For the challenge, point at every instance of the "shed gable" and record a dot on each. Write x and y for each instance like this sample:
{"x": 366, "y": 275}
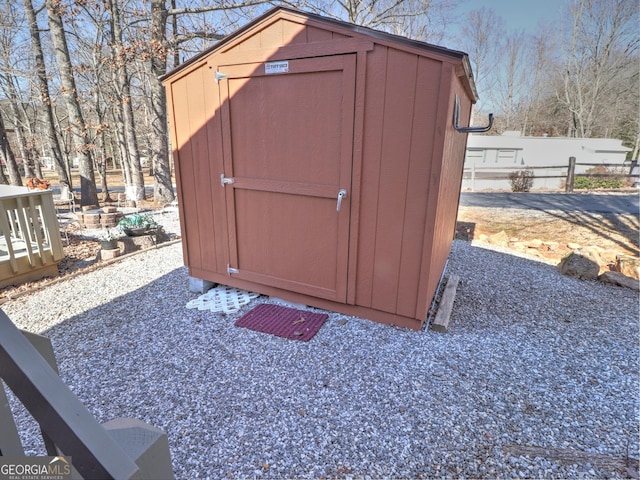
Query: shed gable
{"x": 280, "y": 31}
{"x": 284, "y": 28}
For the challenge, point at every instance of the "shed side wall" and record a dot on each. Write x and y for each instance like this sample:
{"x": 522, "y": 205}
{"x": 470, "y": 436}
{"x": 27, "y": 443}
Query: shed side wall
{"x": 402, "y": 92}
{"x": 448, "y": 177}
{"x": 195, "y": 155}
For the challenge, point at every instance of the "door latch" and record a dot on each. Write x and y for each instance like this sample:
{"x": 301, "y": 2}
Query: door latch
{"x": 341, "y": 194}
{"x": 225, "y": 181}
{"x": 231, "y": 270}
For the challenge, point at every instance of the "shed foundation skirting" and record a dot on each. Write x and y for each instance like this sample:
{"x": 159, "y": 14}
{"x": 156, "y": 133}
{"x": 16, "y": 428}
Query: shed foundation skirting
{"x": 300, "y": 299}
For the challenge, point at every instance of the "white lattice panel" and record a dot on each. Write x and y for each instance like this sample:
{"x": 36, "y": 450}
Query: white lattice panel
{"x": 222, "y": 299}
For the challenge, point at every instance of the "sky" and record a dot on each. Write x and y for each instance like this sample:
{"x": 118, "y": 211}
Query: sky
{"x": 518, "y": 14}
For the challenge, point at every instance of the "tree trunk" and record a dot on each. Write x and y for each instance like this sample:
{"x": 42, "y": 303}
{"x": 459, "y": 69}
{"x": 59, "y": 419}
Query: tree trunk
{"x": 25, "y": 153}
{"x": 89, "y": 193}
{"x": 159, "y": 145}
{"x": 43, "y": 87}
{"x": 3, "y": 177}
{"x": 8, "y": 156}
{"x": 122, "y": 151}
{"x": 102, "y": 170}
{"x": 125, "y": 106}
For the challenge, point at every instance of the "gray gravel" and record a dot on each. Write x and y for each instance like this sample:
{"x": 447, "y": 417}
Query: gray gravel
{"x": 533, "y": 359}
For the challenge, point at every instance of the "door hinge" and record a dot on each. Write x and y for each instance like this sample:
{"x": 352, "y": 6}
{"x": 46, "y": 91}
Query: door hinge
{"x": 224, "y": 180}
{"x": 219, "y": 76}
{"x": 231, "y": 270}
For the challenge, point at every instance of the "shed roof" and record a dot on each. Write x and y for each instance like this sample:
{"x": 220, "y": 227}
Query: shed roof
{"x": 350, "y": 28}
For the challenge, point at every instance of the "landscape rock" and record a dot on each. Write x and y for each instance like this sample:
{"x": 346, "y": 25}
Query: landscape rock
{"x": 609, "y": 256}
{"x": 617, "y": 278}
{"x": 580, "y": 264}
{"x": 500, "y": 238}
{"x": 593, "y": 249}
{"x": 518, "y": 247}
{"x": 573, "y": 246}
{"x": 551, "y": 245}
{"x": 628, "y": 265}
{"x": 142, "y": 242}
{"x": 535, "y": 243}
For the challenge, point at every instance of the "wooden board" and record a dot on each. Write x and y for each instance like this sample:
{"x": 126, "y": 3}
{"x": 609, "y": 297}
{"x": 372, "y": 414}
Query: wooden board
{"x": 443, "y": 315}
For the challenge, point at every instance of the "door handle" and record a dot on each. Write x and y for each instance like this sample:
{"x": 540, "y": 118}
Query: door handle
{"x": 341, "y": 194}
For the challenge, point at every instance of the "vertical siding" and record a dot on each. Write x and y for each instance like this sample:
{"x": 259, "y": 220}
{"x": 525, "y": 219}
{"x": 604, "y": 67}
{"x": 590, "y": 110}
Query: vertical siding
{"x": 401, "y": 98}
{"x": 371, "y": 160}
{"x": 421, "y": 158}
{"x": 318, "y": 34}
{"x": 193, "y": 103}
{"x": 394, "y": 169}
{"x": 279, "y": 33}
{"x": 446, "y": 176}
{"x": 293, "y": 33}
{"x": 284, "y": 32}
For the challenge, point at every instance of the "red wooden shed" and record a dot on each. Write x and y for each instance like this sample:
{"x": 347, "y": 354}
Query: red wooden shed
{"x": 317, "y": 161}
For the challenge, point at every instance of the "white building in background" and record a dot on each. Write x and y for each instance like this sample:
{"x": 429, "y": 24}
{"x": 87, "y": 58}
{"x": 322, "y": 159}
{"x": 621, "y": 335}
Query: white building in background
{"x": 499, "y": 155}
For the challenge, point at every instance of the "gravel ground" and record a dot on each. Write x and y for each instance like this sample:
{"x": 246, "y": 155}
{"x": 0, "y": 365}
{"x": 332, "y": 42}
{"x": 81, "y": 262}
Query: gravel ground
{"x": 533, "y": 359}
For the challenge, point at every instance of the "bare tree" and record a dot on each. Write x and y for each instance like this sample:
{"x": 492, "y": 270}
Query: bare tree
{"x": 78, "y": 127}
{"x": 540, "y": 92}
{"x": 159, "y": 50}
{"x": 425, "y": 20}
{"x": 45, "y": 97}
{"x": 9, "y": 24}
{"x": 11, "y": 92}
{"x": 481, "y": 37}
{"x": 123, "y": 96}
{"x": 512, "y": 82}
{"x": 8, "y": 156}
{"x": 602, "y": 41}
{"x": 159, "y": 144}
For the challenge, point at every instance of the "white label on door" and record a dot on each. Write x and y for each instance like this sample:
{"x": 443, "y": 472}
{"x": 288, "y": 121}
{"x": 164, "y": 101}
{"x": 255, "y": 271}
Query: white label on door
{"x": 276, "y": 67}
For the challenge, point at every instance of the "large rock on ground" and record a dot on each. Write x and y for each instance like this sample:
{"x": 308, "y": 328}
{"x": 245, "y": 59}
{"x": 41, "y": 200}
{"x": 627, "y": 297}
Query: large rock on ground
{"x": 500, "y": 238}
{"x": 578, "y": 264}
{"x": 617, "y": 278}
{"x": 628, "y": 265}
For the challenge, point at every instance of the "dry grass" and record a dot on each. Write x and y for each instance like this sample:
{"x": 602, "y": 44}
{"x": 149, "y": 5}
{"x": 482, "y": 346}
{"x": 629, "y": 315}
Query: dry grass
{"x": 608, "y": 231}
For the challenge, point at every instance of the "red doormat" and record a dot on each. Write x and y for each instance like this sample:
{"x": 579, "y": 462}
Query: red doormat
{"x": 283, "y": 321}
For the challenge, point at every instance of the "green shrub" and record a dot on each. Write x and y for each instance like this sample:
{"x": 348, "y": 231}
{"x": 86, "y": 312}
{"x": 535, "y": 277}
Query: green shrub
{"x": 582, "y": 183}
{"x": 591, "y": 183}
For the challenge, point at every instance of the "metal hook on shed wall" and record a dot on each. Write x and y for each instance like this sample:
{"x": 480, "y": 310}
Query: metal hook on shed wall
{"x": 456, "y": 121}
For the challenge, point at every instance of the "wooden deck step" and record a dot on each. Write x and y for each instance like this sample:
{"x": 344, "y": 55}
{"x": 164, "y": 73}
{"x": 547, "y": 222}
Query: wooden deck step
{"x": 443, "y": 315}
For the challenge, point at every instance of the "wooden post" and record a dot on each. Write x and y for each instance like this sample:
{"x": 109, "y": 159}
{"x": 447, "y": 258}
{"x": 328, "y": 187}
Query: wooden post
{"x": 571, "y": 172}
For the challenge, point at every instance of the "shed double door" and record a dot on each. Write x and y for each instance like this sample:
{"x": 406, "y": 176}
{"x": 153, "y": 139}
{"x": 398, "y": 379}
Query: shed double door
{"x": 287, "y": 130}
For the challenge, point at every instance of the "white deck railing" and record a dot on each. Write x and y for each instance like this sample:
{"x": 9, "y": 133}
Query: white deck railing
{"x": 30, "y": 244}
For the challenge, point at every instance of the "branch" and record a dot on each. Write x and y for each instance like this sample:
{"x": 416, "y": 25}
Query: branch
{"x": 200, "y": 34}
{"x": 216, "y": 8}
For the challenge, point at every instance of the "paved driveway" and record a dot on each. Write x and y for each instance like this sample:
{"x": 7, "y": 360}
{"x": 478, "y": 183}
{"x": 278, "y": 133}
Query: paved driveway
{"x": 567, "y": 202}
